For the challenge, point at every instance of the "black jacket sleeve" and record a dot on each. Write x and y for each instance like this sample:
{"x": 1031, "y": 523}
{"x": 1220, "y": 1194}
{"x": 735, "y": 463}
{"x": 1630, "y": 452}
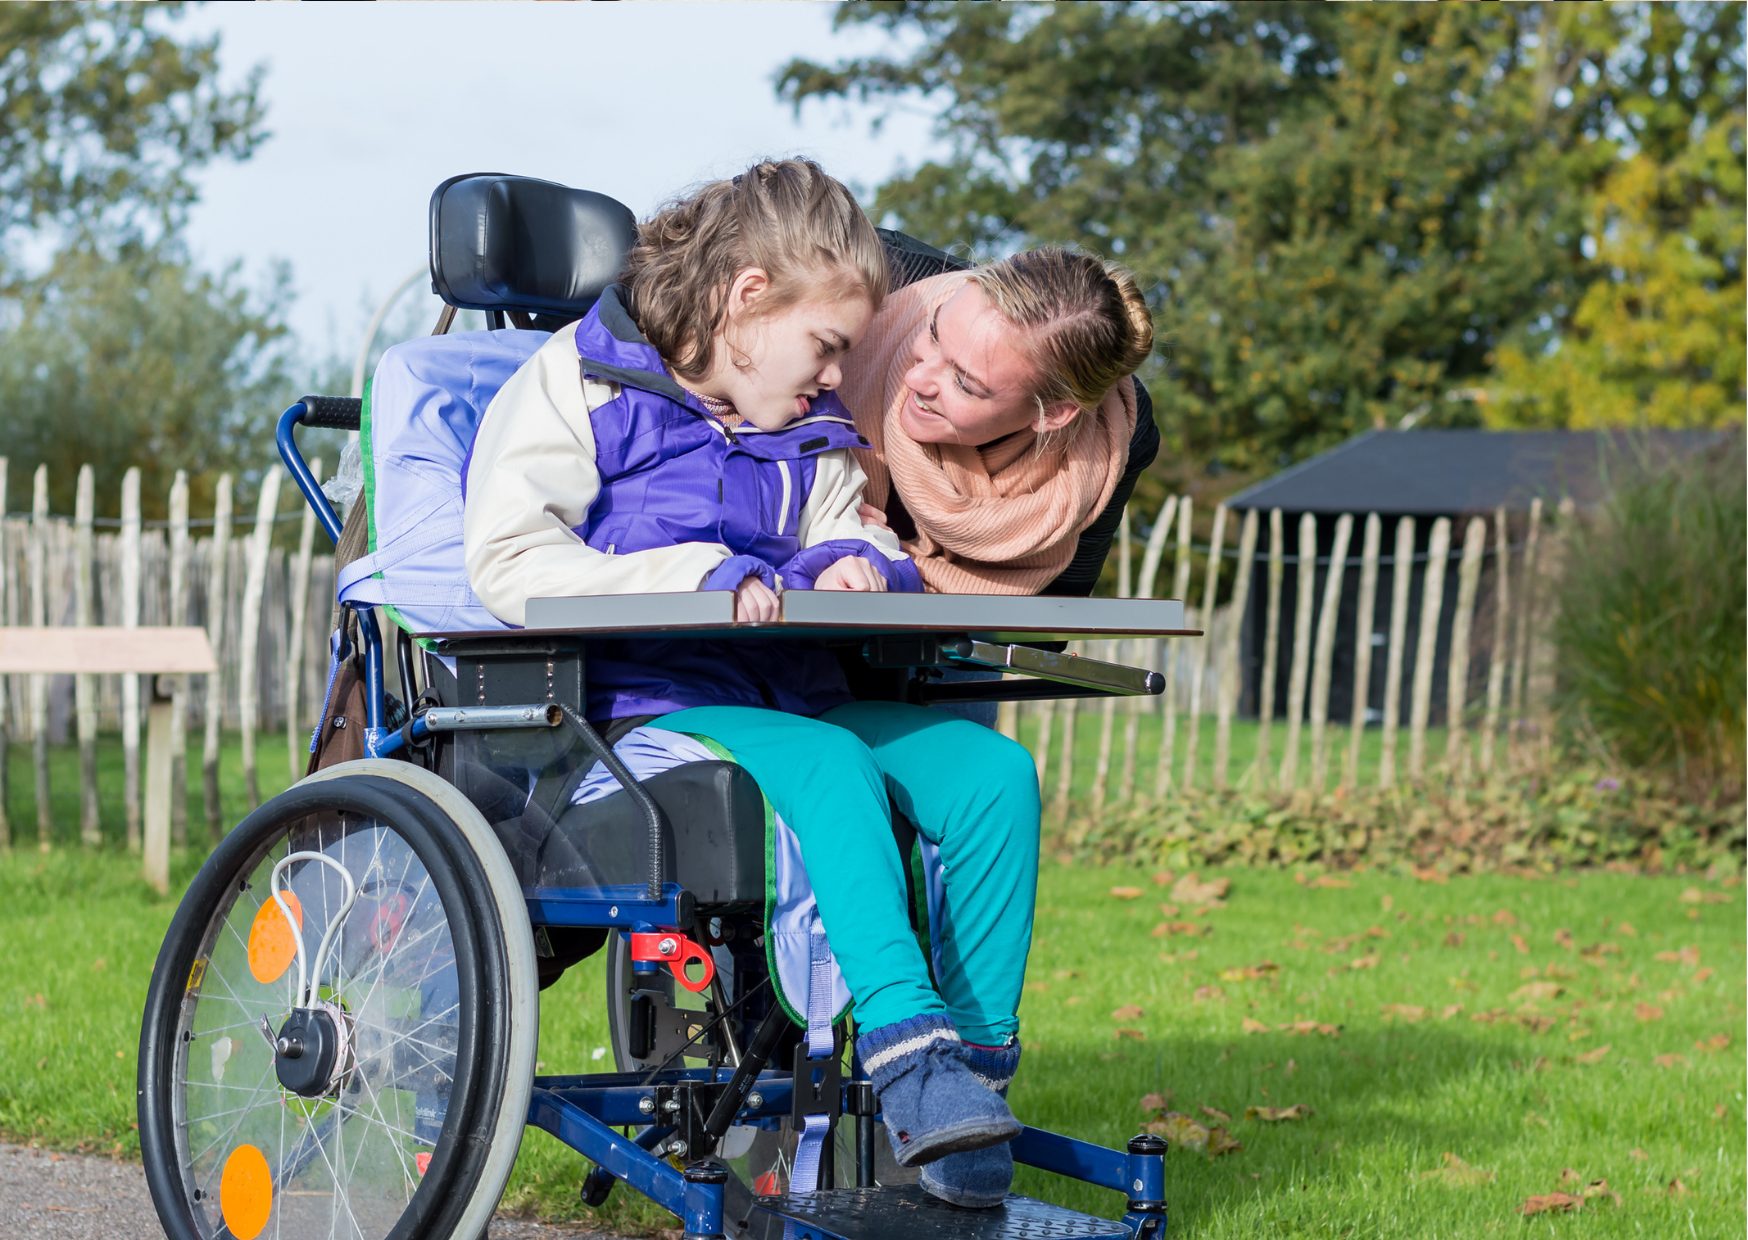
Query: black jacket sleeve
{"x": 1082, "y": 573}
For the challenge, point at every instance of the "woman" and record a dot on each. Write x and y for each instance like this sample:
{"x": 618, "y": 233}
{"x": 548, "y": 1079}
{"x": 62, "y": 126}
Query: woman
{"x": 1006, "y": 431}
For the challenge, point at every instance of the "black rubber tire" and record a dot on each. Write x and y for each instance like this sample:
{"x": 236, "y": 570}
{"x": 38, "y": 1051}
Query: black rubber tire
{"x": 483, "y": 1008}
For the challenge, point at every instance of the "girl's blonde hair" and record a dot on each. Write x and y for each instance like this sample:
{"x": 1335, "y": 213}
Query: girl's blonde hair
{"x": 786, "y": 217}
{"x": 1082, "y": 320}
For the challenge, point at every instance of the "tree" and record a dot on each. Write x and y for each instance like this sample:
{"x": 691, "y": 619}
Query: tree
{"x": 103, "y": 116}
{"x": 1346, "y": 209}
{"x": 141, "y": 360}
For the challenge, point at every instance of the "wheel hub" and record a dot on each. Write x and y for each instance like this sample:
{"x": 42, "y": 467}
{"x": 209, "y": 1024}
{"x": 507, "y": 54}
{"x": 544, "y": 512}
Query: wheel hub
{"x": 310, "y": 1052}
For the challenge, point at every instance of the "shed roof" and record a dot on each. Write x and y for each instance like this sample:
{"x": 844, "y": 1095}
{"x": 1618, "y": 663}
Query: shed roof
{"x": 1434, "y": 472}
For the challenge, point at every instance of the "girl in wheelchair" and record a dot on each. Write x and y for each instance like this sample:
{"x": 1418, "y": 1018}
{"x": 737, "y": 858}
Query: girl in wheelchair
{"x": 686, "y": 436}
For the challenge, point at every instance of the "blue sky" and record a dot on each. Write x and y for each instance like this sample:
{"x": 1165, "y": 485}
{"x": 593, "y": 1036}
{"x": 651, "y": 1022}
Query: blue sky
{"x": 370, "y": 106}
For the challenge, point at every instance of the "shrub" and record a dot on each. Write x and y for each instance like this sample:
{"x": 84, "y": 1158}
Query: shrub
{"x": 1653, "y": 602}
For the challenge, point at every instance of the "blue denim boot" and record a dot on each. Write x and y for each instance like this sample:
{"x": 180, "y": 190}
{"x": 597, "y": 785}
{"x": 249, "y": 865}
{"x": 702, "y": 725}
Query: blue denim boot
{"x": 978, "y": 1179}
{"x": 931, "y": 1100}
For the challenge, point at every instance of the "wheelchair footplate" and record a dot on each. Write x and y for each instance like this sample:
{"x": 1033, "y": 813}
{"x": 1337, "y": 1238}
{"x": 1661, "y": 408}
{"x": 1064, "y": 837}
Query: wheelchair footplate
{"x": 906, "y": 1212}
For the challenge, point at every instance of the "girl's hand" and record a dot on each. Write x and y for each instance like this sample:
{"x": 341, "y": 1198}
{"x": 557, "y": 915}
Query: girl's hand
{"x": 853, "y": 572}
{"x": 754, "y": 601}
{"x": 872, "y": 516}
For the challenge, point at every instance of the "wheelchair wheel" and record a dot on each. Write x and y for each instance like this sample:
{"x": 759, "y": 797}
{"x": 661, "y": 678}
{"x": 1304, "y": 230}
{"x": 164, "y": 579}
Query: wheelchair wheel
{"x": 402, "y": 1114}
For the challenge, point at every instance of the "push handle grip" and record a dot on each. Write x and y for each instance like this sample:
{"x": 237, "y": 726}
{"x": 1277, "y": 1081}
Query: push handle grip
{"x": 334, "y": 413}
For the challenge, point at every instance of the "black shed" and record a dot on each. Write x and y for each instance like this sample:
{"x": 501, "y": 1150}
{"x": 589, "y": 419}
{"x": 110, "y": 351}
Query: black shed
{"x": 1424, "y": 474}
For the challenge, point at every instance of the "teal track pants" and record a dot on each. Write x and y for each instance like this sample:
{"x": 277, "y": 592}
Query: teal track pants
{"x": 969, "y": 791}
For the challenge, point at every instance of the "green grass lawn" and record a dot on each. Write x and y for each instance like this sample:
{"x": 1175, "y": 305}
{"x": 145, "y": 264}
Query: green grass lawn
{"x": 1403, "y": 1076}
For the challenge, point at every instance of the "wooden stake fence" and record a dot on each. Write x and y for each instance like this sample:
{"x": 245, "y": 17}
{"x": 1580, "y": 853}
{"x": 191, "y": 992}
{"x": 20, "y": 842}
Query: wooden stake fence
{"x": 218, "y": 567}
{"x": 1180, "y": 589}
{"x": 1457, "y": 682}
{"x": 1271, "y": 649}
{"x": 1231, "y": 683}
{"x": 1324, "y": 656}
{"x": 85, "y": 686}
{"x": 1199, "y": 655}
{"x": 1501, "y": 634}
{"x": 1365, "y": 624}
{"x": 1306, "y": 579}
{"x": 1432, "y": 600}
{"x": 1401, "y": 578}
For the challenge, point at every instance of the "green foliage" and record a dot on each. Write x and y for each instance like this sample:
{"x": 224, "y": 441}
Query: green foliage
{"x": 140, "y": 359}
{"x": 1346, "y": 208}
{"x": 1653, "y": 603}
{"x": 103, "y": 117}
{"x": 1576, "y": 817}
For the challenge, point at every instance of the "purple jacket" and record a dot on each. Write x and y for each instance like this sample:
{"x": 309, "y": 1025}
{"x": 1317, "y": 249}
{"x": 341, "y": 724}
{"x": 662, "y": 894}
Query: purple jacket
{"x": 671, "y": 473}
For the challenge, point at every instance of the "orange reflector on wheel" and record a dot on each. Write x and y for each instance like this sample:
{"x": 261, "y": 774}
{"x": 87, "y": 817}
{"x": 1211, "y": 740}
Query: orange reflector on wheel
{"x": 246, "y": 1191}
{"x": 271, "y": 946}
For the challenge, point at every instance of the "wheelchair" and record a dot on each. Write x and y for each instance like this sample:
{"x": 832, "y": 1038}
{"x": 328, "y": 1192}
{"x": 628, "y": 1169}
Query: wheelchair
{"x": 340, "y": 1038}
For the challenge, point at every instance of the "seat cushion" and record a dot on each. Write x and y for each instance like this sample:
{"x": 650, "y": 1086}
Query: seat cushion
{"x": 713, "y": 840}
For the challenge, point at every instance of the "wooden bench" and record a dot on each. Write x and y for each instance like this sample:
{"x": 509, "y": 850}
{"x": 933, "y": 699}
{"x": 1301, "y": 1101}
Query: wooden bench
{"x": 108, "y": 651}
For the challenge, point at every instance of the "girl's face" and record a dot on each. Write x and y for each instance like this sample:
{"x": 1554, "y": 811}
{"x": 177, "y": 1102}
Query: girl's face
{"x": 969, "y": 382}
{"x": 785, "y": 358}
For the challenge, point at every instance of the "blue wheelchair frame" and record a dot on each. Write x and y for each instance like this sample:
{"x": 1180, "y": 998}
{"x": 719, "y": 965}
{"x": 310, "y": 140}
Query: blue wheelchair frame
{"x": 583, "y": 1111}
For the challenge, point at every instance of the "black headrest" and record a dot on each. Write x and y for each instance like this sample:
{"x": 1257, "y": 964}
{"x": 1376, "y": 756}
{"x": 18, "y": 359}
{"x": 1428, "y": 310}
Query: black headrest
{"x": 502, "y": 242}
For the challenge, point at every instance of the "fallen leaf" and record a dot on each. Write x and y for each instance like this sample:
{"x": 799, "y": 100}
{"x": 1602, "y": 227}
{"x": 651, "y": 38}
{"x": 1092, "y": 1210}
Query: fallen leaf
{"x": 1156, "y": 1102}
{"x": 1717, "y": 1042}
{"x": 1131, "y": 1033}
{"x": 1299, "y": 878}
{"x": 1676, "y": 1188}
{"x": 1407, "y": 1012}
{"x": 1216, "y": 1113}
{"x": 1164, "y": 878}
{"x": 1597, "y": 1055}
{"x": 1637, "y": 1155}
{"x": 1670, "y": 1060}
{"x": 1250, "y": 972}
{"x": 1275, "y": 1115}
{"x": 1181, "y": 1130}
{"x": 1546, "y": 1202}
{"x": 1311, "y": 1026}
{"x": 1387, "y": 903}
{"x": 1168, "y": 910}
{"x": 1702, "y": 975}
{"x": 1457, "y": 1173}
{"x": 1453, "y": 939}
{"x": 1166, "y": 929}
{"x": 1209, "y": 994}
{"x": 1253, "y": 1026}
{"x": 1222, "y": 1142}
{"x": 1504, "y": 917}
{"x": 1450, "y": 1010}
{"x": 1063, "y": 975}
{"x": 1128, "y": 1012}
{"x": 1522, "y": 947}
{"x": 1535, "y": 1024}
{"x": 1038, "y": 987}
{"x": 1687, "y": 955}
{"x": 1646, "y": 1011}
{"x": 1328, "y": 880}
{"x": 1693, "y": 895}
{"x": 1073, "y": 999}
{"x": 1191, "y": 890}
{"x": 1363, "y": 962}
{"x": 1292, "y": 1066}
{"x": 1563, "y": 937}
{"x": 1719, "y": 1110}
{"x": 1126, "y": 893}
{"x": 1626, "y": 928}
{"x": 1538, "y": 992}
{"x": 1430, "y": 875}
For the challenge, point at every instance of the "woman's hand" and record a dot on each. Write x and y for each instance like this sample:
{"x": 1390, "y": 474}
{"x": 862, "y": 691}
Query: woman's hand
{"x": 754, "y": 601}
{"x": 853, "y": 572}
{"x": 872, "y": 516}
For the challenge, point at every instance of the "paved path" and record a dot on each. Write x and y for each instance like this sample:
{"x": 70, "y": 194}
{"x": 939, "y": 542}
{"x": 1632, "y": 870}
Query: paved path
{"x": 46, "y": 1196}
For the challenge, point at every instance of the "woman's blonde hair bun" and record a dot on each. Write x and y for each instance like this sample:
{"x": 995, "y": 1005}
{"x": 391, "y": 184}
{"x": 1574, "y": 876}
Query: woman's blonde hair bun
{"x": 786, "y": 217}
{"x": 1084, "y": 321}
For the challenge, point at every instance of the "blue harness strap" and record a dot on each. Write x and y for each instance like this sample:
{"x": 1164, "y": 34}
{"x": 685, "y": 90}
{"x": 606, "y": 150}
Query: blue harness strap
{"x": 804, "y": 1174}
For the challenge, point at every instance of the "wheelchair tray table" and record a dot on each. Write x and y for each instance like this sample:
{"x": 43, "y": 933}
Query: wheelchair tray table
{"x": 848, "y": 616}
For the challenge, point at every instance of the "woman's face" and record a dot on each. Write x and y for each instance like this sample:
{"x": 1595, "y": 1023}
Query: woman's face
{"x": 785, "y": 358}
{"x": 969, "y": 383}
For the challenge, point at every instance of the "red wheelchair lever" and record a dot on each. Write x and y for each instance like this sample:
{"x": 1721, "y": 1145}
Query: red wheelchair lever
{"x": 675, "y": 950}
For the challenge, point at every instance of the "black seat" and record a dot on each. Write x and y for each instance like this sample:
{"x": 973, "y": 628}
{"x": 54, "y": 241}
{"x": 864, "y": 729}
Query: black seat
{"x": 714, "y": 845}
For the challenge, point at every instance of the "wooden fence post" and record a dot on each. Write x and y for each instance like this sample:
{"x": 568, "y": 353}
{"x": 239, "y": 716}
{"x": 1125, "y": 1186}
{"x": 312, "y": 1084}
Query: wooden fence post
{"x": 1365, "y": 624}
{"x": 249, "y": 637}
{"x": 1539, "y": 692}
{"x": 1432, "y": 602}
{"x": 39, "y": 684}
{"x": 1501, "y": 635}
{"x": 1137, "y": 653}
{"x": 7, "y": 606}
{"x": 1041, "y": 750}
{"x": 130, "y": 619}
{"x": 1180, "y": 589}
{"x": 1306, "y": 581}
{"x": 1401, "y": 580}
{"x": 1065, "y": 763}
{"x": 1324, "y": 657}
{"x": 1113, "y": 653}
{"x": 85, "y": 685}
{"x": 1271, "y": 649}
{"x": 1521, "y": 647}
{"x": 1102, "y": 763}
{"x": 1157, "y": 537}
{"x": 1199, "y": 662}
{"x": 219, "y": 553}
{"x": 1462, "y": 628}
{"x": 1231, "y": 675}
{"x": 179, "y": 549}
